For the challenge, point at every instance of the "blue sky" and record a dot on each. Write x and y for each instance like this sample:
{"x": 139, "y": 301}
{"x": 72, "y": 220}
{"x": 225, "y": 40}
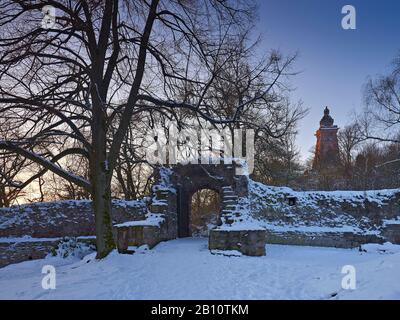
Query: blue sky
{"x": 334, "y": 62}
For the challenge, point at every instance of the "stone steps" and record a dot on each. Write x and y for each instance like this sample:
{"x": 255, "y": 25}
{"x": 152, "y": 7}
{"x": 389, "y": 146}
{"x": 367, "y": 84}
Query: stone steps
{"x": 230, "y": 201}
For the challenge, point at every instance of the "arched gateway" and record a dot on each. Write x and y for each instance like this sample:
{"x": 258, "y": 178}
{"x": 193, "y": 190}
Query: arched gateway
{"x": 171, "y": 200}
{"x": 190, "y": 178}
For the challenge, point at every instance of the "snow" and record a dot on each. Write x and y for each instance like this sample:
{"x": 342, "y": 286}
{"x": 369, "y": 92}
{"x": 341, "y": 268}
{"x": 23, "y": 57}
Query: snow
{"x": 139, "y": 249}
{"x": 241, "y": 226}
{"x": 315, "y": 211}
{"x": 186, "y": 269}
{"x": 53, "y": 213}
{"x": 310, "y": 198}
{"x": 27, "y": 238}
{"x": 152, "y": 219}
{"x": 68, "y": 247}
{"x": 228, "y": 253}
{"x": 391, "y": 221}
{"x": 319, "y": 229}
{"x": 164, "y": 184}
{"x": 140, "y": 203}
{"x": 386, "y": 247}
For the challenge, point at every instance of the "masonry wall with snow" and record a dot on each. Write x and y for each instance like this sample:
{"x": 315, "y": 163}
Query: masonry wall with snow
{"x": 264, "y": 214}
{"x": 252, "y": 215}
{"x": 332, "y": 218}
{"x": 30, "y": 231}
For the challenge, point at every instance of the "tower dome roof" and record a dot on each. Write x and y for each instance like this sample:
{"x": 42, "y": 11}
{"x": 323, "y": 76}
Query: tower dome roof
{"x": 327, "y": 120}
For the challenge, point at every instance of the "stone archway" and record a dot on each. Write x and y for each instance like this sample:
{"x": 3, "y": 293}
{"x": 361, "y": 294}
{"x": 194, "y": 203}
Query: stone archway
{"x": 184, "y": 206}
{"x": 191, "y": 178}
{"x": 174, "y": 187}
{"x": 169, "y": 209}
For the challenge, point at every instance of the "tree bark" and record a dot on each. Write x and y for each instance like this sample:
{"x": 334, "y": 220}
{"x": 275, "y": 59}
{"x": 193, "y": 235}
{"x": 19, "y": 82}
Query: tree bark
{"x": 5, "y": 197}
{"x": 102, "y": 208}
{"x": 102, "y": 203}
{"x": 101, "y": 187}
{"x": 2, "y": 197}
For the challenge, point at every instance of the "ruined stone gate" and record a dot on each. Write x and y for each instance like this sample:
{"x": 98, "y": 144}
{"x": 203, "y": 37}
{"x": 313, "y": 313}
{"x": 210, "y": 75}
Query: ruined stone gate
{"x": 342, "y": 219}
{"x": 188, "y": 179}
{"x": 171, "y": 201}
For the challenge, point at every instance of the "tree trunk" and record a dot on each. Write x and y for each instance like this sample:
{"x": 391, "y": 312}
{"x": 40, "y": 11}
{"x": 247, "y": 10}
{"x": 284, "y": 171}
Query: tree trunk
{"x": 2, "y": 196}
{"x": 102, "y": 210}
{"x": 4, "y": 200}
{"x": 101, "y": 189}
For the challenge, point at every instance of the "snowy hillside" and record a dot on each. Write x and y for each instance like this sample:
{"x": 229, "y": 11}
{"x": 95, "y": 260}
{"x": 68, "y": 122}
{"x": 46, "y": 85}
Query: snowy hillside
{"x": 185, "y": 269}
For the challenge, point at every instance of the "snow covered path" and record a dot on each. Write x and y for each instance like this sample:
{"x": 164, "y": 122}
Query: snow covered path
{"x": 185, "y": 269}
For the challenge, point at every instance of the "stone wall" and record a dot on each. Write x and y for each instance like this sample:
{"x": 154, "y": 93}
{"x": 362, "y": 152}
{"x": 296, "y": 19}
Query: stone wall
{"x": 127, "y": 237}
{"x": 279, "y": 215}
{"x": 391, "y": 233}
{"x": 248, "y": 242}
{"x": 330, "y": 209}
{"x": 62, "y": 218}
{"x": 321, "y": 239}
{"x": 30, "y": 249}
{"x": 30, "y": 231}
{"x": 342, "y": 219}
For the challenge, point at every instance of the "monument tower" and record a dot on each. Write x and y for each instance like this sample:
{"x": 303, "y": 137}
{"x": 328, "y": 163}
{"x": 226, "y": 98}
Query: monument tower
{"x": 327, "y": 148}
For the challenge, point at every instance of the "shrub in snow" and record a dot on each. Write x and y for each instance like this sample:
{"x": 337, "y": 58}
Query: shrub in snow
{"x": 71, "y": 247}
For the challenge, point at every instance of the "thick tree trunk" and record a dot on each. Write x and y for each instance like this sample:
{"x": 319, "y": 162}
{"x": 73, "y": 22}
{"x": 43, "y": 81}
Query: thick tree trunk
{"x": 102, "y": 210}
{"x": 101, "y": 189}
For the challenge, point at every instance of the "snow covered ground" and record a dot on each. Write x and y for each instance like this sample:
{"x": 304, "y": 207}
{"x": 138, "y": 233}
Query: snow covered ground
{"x": 185, "y": 269}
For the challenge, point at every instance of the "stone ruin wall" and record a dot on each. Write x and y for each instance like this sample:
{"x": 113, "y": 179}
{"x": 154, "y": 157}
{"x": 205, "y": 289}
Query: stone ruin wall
{"x": 316, "y": 219}
{"x": 325, "y": 219}
{"x": 31, "y": 231}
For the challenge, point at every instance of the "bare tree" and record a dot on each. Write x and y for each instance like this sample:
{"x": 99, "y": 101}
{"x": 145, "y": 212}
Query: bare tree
{"x": 349, "y": 140}
{"x": 56, "y": 188}
{"x": 133, "y": 174}
{"x": 381, "y": 119}
{"x": 101, "y": 63}
{"x": 10, "y": 168}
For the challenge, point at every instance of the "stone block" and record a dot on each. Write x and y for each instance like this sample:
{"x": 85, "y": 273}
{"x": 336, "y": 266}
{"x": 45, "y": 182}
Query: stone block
{"x": 127, "y": 236}
{"x": 15, "y": 252}
{"x": 248, "y": 242}
{"x": 391, "y": 233}
{"x": 321, "y": 239}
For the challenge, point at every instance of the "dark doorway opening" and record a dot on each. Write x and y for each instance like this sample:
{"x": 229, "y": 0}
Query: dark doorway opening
{"x": 204, "y": 212}
{"x": 197, "y": 212}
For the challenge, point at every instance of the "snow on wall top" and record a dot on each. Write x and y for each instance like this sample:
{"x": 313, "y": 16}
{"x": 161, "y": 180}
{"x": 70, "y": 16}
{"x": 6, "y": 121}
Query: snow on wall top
{"x": 63, "y": 218}
{"x": 164, "y": 181}
{"x": 275, "y": 195}
{"x": 362, "y": 212}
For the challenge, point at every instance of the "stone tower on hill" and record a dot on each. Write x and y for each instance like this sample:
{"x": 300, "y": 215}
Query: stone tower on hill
{"x": 327, "y": 148}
